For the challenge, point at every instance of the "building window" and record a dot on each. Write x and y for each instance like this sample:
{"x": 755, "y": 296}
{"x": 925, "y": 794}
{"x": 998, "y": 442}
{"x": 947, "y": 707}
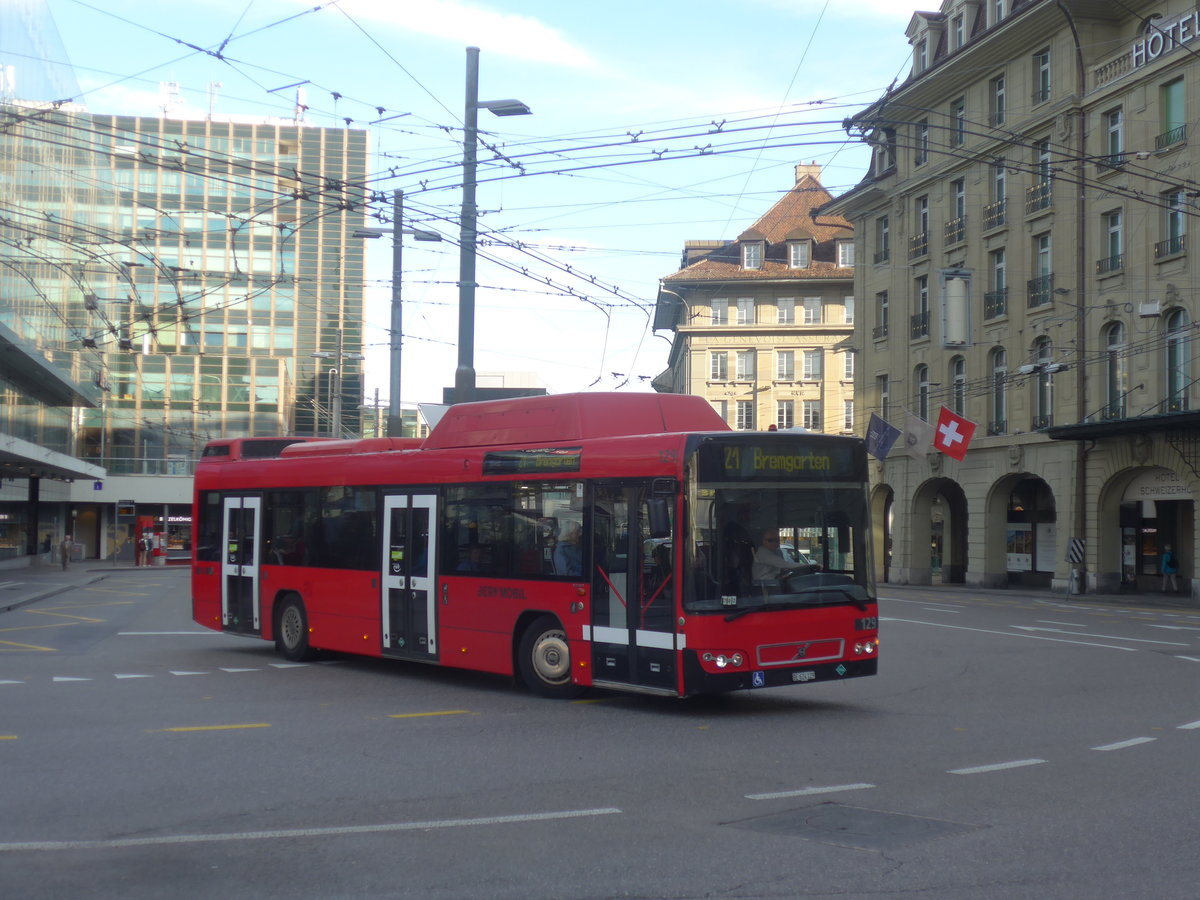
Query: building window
{"x": 812, "y": 415}
{"x": 1174, "y": 125}
{"x": 883, "y": 400}
{"x": 799, "y": 254}
{"x": 752, "y": 255}
{"x": 845, "y": 254}
{"x": 812, "y": 310}
{"x": 720, "y": 312}
{"x": 1114, "y": 138}
{"x": 882, "y": 240}
{"x": 918, "y": 244}
{"x": 1039, "y": 195}
{"x": 1178, "y": 361}
{"x": 1041, "y": 286}
{"x": 1174, "y": 225}
{"x": 958, "y": 123}
{"x": 921, "y": 154}
{"x": 920, "y": 317}
{"x": 848, "y": 310}
{"x": 956, "y": 227}
{"x": 722, "y": 408}
{"x": 745, "y": 365}
{"x": 745, "y": 415}
{"x": 1041, "y": 76}
{"x": 958, "y": 32}
{"x": 881, "y": 315}
{"x": 1116, "y": 376}
{"x": 999, "y": 418}
{"x": 785, "y": 311}
{"x": 921, "y": 400}
{"x": 785, "y": 365}
{"x": 812, "y": 365}
{"x": 958, "y": 385}
{"x": 1043, "y": 384}
{"x": 847, "y": 415}
{"x": 921, "y": 56}
{"x": 999, "y": 107}
{"x": 785, "y": 413}
{"x": 745, "y": 311}
{"x": 995, "y": 301}
{"x": 997, "y": 11}
{"x": 719, "y": 366}
{"x": 848, "y": 366}
{"x": 1113, "y": 259}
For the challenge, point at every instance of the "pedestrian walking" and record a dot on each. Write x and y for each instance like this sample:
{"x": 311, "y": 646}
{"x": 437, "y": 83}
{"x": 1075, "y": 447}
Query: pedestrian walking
{"x": 1170, "y": 569}
{"x": 64, "y": 551}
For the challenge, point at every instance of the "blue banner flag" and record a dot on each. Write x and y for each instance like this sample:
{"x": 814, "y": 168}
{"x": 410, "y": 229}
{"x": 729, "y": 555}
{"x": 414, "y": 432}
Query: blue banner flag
{"x": 880, "y": 437}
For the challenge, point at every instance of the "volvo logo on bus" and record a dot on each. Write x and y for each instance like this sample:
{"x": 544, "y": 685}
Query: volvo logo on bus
{"x": 801, "y": 651}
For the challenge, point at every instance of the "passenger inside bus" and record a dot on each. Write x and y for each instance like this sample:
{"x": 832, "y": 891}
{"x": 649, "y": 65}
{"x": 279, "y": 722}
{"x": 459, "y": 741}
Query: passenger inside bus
{"x": 568, "y": 554}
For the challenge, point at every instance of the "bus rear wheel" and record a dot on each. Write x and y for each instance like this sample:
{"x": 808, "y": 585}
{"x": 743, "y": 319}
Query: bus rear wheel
{"x": 291, "y": 631}
{"x": 544, "y": 660}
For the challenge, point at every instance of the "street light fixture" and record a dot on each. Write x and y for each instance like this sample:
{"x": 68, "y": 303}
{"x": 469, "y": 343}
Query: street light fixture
{"x": 395, "y": 421}
{"x": 335, "y": 384}
{"x": 464, "y": 375}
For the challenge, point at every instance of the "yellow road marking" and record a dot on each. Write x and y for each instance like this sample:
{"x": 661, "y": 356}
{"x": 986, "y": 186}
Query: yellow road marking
{"x": 46, "y": 612}
{"x": 10, "y": 646}
{"x": 215, "y": 727}
{"x": 122, "y": 593}
{"x": 8, "y": 737}
{"x": 445, "y": 712}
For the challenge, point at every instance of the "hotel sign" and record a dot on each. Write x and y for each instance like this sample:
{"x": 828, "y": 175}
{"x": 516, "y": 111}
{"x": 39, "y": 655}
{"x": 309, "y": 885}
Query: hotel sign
{"x": 1162, "y": 39}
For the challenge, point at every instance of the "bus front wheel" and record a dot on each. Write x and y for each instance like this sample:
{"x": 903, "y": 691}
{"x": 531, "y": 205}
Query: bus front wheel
{"x": 291, "y": 631}
{"x": 544, "y": 659}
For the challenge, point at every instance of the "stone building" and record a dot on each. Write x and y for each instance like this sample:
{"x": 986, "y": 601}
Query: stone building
{"x": 760, "y": 322}
{"x": 1022, "y": 239}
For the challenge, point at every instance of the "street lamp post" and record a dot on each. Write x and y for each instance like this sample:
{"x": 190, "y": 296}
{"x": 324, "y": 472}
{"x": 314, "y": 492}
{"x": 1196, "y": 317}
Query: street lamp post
{"x": 335, "y": 385}
{"x": 395, "y": 421}
{"x": 464, "y": 375}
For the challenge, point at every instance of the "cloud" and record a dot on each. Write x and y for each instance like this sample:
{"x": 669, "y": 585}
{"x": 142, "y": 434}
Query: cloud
{"x": 507, "y": 34}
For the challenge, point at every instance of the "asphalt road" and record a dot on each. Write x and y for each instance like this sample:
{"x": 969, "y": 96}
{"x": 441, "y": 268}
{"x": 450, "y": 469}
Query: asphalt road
{"x": 1011, "y": 747}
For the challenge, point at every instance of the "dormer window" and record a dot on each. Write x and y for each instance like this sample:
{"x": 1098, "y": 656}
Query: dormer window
{"x": 958, "y": 33}
{"x": 799, "y": 254}
{"x": 752, "y": 255}
{"x": 921, "y": 56}
{"x": 845, "y": 254}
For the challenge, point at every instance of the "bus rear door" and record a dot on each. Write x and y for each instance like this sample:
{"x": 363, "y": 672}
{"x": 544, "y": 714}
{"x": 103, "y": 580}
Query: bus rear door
{"x": 633, "y": 593}
{"x": 240, "y": 529}
{"x": 409, "y": 601}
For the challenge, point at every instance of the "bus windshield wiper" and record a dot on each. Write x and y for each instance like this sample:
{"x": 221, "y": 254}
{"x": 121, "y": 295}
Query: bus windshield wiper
{"x": 859, "y": 603}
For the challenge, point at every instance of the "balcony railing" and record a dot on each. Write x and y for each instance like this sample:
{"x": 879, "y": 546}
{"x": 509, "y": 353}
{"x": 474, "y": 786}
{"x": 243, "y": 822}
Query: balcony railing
{"x": 1171, "y": 246}
{"x": 994, "y": 214}
{"x": 883, "y": 255}
{"x": 1110, "y": 265}
{"x": 918, "y": 245}
{"x": 1112, "y": 161}
{"x": 1170, "y": 138}
{"x": 1000, "y": 426}
{"x": 1040, "y": 422}
{"x": 955, "y": 231}
{"x": 1041, "y": 94}
{"x": 879, "y": 331}
{"x": 1113, "y": 410}
{"x": 1039, "y": 197}
{"x": 920, "y": 325}
{"x": 1041, "y": 290}
{"x": 995, "y": 304}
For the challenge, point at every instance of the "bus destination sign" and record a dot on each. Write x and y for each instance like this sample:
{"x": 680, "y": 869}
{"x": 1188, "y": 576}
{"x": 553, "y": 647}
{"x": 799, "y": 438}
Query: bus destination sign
{"x": 777, "y": 460}
{"x": 548, "y": 461}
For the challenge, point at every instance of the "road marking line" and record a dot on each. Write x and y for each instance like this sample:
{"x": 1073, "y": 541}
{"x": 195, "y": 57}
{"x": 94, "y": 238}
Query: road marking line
{"x": 155, "y": 633}
{"x": 1189, "y": 658}
{"x": 1176, "y": 627}
{"x": 445, "y": 712}
{"x": 58, "y": 678}
{"x": 305, "y": 832}
{"x": 178, "y": 672}
{"x": 14, "y": 645}
{"x": 807, "y": 792}
{"x": 61, "y": 615}
{"x": 133, "y": 676}
{"x": 8, "y": 737}
{"x": 1107, "y": 637}
{"x": 12, "y": 682}
{"x": 223, "y": 669}
{"x": 1121, "y": 745}
{"x": 183, "y": 728}
{"x": 1189, "y": 725}
{"x": 996, "y": 767}
{"x": 936, "y": 609}
{"x": 289, "y": 665}
{"x": 1052, "y": 622}
{"x": 1032, "y": 637}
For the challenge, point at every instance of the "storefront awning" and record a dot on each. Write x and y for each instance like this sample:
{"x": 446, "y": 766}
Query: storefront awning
{"x": 1087, "y": 431}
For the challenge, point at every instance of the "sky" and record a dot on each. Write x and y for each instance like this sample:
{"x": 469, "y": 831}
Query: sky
{"x": 654, "y": 123}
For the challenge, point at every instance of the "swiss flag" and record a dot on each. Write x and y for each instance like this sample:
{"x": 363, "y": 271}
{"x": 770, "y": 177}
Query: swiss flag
{"x": 953, "y": 434}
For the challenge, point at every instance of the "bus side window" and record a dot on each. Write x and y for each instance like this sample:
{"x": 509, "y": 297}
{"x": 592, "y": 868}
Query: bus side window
{"x": 208, "y": 527}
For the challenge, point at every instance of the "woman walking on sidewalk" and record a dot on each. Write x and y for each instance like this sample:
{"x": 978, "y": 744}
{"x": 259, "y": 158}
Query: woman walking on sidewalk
{"x": 64, "y": 550}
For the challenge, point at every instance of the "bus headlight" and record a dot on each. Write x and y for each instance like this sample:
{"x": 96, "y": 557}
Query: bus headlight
{"x": 866, "y": 648}
{"x": 731, "y": 660}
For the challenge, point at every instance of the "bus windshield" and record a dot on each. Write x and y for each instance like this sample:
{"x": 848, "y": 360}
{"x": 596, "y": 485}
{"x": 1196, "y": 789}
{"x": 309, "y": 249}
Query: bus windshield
{"x": 777, "y": 543}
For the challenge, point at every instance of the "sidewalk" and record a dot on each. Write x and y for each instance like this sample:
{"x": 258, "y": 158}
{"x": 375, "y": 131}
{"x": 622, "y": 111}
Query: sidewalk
{"x": 1142, "y": 600}
{"x": 28, "y": 584}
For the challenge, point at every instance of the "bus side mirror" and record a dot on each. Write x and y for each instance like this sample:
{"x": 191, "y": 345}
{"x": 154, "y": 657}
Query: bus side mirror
{"x": 660, "y": 517}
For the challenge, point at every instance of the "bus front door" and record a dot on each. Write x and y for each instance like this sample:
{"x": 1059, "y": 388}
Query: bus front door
{"x": 633, "y": 593}
{"x": 408, "y": 600}
{"x": 240, "y": 529}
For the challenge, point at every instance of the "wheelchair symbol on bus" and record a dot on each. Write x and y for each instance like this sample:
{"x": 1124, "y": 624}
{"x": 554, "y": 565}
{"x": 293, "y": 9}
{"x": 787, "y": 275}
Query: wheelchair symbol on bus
{"x": 758, "y": 679}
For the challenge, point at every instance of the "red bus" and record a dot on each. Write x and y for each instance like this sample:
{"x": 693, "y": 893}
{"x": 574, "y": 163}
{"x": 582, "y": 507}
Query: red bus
{"x": 623, "y": 541}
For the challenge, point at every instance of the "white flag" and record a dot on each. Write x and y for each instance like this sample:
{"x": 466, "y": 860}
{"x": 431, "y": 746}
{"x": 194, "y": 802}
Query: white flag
{"x": 918, "y": 435}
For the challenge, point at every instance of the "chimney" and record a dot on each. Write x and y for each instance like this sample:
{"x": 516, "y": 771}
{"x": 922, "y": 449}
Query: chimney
{"x": 813, "y": 168}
